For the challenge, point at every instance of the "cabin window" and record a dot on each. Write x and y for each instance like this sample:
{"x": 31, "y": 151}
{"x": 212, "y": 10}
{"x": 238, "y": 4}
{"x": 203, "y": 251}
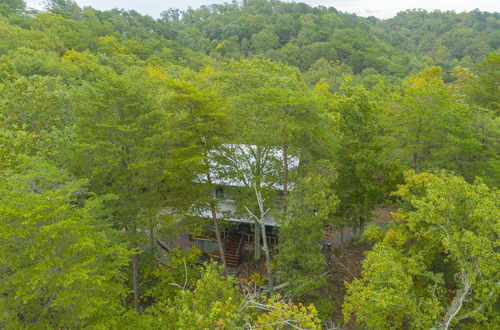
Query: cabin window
{"x": 219, "y": 193}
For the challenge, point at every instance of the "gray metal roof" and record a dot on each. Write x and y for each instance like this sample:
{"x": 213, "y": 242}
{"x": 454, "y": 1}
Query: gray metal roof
{"x": 239, "y": 164}
{"x": 226, "y": 211}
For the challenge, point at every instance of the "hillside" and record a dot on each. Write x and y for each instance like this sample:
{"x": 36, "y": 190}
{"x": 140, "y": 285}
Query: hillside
{"x": 322, "y": 170}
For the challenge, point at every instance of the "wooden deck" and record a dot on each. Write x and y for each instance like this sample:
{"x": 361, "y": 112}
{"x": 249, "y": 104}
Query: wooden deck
{"x": 234, "y": 245}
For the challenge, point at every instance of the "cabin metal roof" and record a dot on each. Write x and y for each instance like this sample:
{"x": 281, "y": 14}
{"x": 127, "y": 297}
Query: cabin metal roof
{"x": 237, "y": 165}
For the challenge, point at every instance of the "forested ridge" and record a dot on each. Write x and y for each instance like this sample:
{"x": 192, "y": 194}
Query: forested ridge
{"x": 116, "y": 127}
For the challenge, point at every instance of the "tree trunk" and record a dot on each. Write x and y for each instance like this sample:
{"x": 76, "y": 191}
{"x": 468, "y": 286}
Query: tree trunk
{"x": 361, "y": 225}
{"x": 457, "y": 302}
{"x": 285, "y": 178}
{"x": 268, "y": 257}
{"x": 257, "y": 231}
{"x": 152, "y": 236}
{"x": 217, "y": 234}
{"x": 415, "y": 161}
{"x": 216, "y": 224}
{"x": 135, "y": 277}
{"x": 341, "y": 241}
{"x": 265, "y": 246}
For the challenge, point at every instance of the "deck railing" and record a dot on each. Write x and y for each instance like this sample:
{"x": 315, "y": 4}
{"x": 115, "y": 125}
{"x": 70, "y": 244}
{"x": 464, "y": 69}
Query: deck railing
{"x": 272, "y": 240}
{"x": 239, "y": 251}
{"x": 245, "y": 238}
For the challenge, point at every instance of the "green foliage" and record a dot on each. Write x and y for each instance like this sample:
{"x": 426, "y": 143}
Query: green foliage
{"x": 12, "y": 37}
{"x": 374, "y": 233}
{"x": 486, "y": 92}
{"x": 14, "y": 144}
{"x": 214, "y": 302}
{"x": 433, "y": 129}
{"x": 59, "y": 267}
{"x": 282, "y": 315}
{"x": 365, "y": 175}
{"x": 429, "y": 118}
{"x": 65, "y": 8}
{"x": 446, "y": 223}
{"x": 133, "y": 107}
{"x": 264, "y": 40}
{"x": 443, "y": 36}
{"x": 334, "y": 73}
{"x": 388, "y": 296}
{"x": 200, "y": 122}
{"x": 122, "y": 152}
{"x": 299, "y": 261}
{"x": 35, "y": 104}
{"x": 278, "y": 98}
{"x": 12, "y": 7}
{"x": 180, "y": 271}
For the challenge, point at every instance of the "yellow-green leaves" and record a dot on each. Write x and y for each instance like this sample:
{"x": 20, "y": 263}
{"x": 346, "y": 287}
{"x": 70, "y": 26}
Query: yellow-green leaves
{"x": 440, "y": 251}
{"x": 59, "y": 267}
{"x": 282, "y": 315}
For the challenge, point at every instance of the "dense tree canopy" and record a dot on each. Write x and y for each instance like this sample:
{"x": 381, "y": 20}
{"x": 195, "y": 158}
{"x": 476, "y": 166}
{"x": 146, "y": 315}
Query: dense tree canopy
{"x": 60, "y": 266}
{"x": 110, "y": 122}
{"x": 437, "y": 266}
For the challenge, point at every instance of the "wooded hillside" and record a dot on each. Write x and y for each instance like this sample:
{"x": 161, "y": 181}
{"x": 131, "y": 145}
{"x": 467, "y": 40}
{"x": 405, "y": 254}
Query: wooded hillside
{"x": 116, "y": 130}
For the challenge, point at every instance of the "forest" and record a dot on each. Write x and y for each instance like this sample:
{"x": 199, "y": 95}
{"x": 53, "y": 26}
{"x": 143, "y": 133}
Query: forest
{"x": 249, "y": 165}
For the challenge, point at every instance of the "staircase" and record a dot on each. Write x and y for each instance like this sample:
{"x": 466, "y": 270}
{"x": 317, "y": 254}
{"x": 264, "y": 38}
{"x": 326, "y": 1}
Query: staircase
{"x": 233, "y": 251}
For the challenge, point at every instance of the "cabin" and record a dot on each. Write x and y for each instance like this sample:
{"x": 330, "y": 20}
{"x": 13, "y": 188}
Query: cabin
{"x": 232, "y": 171}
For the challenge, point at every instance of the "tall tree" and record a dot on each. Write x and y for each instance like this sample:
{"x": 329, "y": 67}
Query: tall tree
{"x": 487, "y": 90}
{"x": 364, "y": 175}
{"x": 121, "y": 138}
{"x": 201, "y": 127}
{"x": 300, "y": 261}
{"x": 431, "y": 127}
